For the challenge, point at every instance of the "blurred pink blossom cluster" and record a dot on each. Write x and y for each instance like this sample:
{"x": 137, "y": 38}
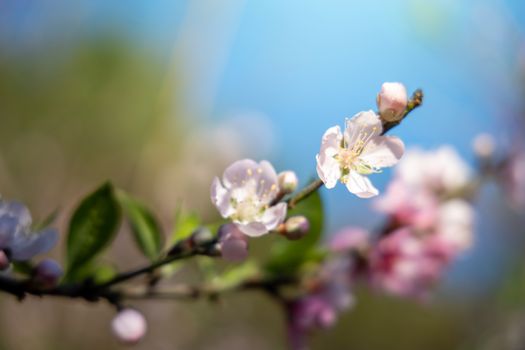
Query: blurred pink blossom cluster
{"x": 429, "y": 222}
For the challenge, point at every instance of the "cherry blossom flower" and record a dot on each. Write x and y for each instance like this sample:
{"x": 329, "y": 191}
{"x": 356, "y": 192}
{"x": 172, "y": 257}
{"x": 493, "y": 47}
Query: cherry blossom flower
{"x": 359, "y": 152}
{"x": 411, "y": 206}
{"x": 16, "y": 238}
{"x": 246, "y": 194}
{"x": 441, "y": 171}
{"x": 405, "y": 265}
{"x": 455, "y": 225}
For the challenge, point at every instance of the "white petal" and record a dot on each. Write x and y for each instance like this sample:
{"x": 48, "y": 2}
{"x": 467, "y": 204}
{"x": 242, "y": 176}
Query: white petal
{"x": 253, "y": 229}
{"x": 237, "y": 174}
{"x": 267, "y": 181}
{"x": 274, "y": 216}
{"x": 8, "y": 228}
{"x": 220, "y": 197}
{"x": 27, "y": 246}
{"x": 363, "y": 123}
{"x": 360, "y": 185}
{"x": 383, "y": 151}
{"x": 328, "y": 169}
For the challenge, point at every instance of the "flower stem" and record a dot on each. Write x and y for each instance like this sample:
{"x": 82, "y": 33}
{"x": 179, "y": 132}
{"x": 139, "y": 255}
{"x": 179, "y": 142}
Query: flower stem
{"x": 304, "y": 193}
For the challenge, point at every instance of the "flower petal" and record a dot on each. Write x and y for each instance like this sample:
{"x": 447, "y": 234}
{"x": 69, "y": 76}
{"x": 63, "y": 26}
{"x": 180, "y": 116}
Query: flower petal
{"x": 252, "y": 229}
{"x": 26, "y": 246}
{"x": 383, "y": 151}
{"x": 274, "y": 216}
{"x": 360, "y": 185}
{"x": 267, "y": 181}
{"x": 237, "y": 174}
{"x": 328, "y": 169}
{"x": 363, "y": 124}
{"x": 221, "y": 198}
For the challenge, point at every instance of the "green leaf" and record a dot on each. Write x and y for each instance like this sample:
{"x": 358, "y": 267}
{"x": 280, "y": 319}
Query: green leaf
{"x": 145, "y": 228}
{"x": 93, "y": 226}
{"x": 288, "y": 256}
{"x": 185, "y": 223}
{"x": 236, "y": 275}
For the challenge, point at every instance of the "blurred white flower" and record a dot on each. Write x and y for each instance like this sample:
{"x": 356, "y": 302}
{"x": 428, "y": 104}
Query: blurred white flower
{"x": 455, "y": 224}
{"x": 361, "y": 151}
{"x": 441, "y": 170}
{"x": 245, "y": 196}
{"x": 16, "y": 238}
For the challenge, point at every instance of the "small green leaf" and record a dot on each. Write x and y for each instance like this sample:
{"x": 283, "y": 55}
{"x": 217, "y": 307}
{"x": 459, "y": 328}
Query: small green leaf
{"x": 145, "y": 228}
{"x": 185, "y": 223}
{"x": 287, "y": 256}
{"x": 236, "y": 275}
{"x": 92, "y": 228}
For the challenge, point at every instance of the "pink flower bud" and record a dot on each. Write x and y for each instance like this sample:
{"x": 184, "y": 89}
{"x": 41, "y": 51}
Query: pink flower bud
{"x": 287, "y": 182}
{"x": 233, "y": 243}
{"x": 392, "y": 101}
{"x": 4, "y": 261}
{"x": 47, "y": 273}
{"x": 129, "y": 326}
{"x": 296, "y": 227}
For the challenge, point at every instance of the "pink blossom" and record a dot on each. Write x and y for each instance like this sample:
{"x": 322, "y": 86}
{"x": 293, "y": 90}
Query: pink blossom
{"x": 405, "y": 265}
{"x": 320, "y": 308}
{"x": 409, "y": 206}
{"x": 347, "y": 239}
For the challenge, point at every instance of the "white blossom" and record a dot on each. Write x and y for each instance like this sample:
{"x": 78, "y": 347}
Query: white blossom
{"x": 441, "y": 170}
{"x": 16, "y": 237}
{"x": 245, "y": 196}
{"x": 455, "y": 224}
{"x": 360, "y": 151}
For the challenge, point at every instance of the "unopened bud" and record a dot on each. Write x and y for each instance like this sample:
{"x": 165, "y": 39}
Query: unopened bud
{"x": 483, "y": 145}
{"x": 287, "y": 182}
{"x": 233, "y": 244}
{"x": 47, "y": 273}
{"x": 296, "y": 227}
{"x": 129, "y": 326}
{"x": 392, "y": 101}
{"x": 4, "y": 261}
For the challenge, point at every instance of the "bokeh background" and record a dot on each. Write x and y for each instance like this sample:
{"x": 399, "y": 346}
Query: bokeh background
{"x": 160, "y": 96}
